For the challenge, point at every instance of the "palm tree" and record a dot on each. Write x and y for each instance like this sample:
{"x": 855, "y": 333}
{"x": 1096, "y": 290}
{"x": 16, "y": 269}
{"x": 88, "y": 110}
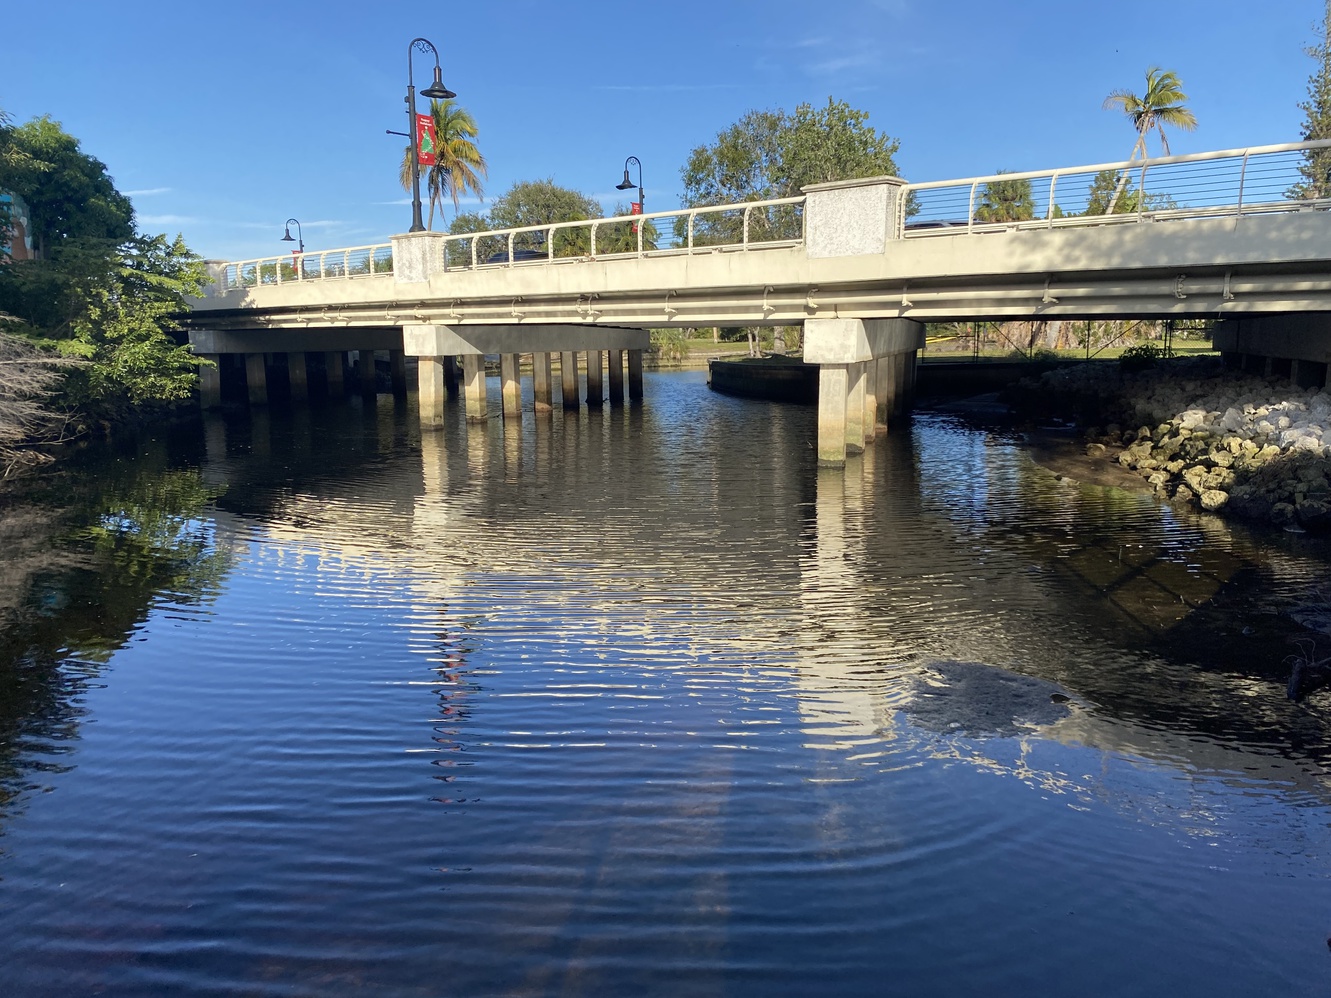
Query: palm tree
{"x": 459, "y": 165}
{"x": 1162, "y": 104}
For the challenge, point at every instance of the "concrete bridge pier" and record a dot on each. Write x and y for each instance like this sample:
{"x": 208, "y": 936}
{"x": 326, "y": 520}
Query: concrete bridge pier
{"x": 298, "y": 376}
{"x": 616, "y": 377}
{"x": 430, "y": 391}
{"x": 511, "y": 386}
{"x": 1296, "y": 346}
{"x": 850, "y": 355}
{"x": 542, "y": 393}
{"x": 210, "y": 382}
{"x": 594, "y": 368}
{"x": 635, "y": 375}
{"x": 568, "y": 378}
{"x": 365, "y": 371}
{"x": 335, "y": 364}
{"x": 473, "y": 387}
{"x": 256, "y": 378}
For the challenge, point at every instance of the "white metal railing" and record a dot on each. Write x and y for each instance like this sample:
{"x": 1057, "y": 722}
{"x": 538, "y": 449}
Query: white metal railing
{"x": 351, "y": 262}
{"x": 744, "y": 226}
{"x": 1229, "y": 182}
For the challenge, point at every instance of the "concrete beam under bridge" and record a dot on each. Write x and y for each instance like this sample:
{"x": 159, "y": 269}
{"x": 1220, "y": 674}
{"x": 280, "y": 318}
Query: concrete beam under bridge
{"x": 320, "y": 339}
{"x": 430, "y": 340}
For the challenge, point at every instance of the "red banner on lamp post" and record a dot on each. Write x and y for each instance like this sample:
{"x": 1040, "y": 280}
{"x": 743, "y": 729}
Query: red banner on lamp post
{"x": 425, "y": 140}
{"x": 635, "y": 208}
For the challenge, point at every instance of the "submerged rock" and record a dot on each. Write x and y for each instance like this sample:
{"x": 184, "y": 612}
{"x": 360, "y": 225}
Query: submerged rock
{"x": 977, "y": 700}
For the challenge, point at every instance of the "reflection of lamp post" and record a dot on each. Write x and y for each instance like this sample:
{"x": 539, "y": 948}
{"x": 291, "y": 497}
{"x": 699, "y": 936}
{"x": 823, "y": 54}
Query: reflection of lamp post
{"x": 627, "y": 185}
{"x": 434, "y": 90}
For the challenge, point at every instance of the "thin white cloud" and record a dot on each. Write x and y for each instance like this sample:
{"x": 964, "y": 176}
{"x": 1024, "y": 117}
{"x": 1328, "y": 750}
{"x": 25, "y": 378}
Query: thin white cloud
{"x": 148, "y": 192}
{"x": 658, "y": 88}
{"x": 168, "y": 220}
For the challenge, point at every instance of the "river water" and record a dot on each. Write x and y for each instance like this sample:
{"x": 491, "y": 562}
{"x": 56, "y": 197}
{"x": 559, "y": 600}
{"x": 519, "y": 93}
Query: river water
{"x": 640, "y": 702}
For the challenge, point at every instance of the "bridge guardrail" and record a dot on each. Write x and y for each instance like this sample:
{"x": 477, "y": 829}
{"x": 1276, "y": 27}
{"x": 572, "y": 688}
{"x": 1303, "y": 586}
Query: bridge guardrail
{"x": 348, "y": 262}
{"x": 745, "y": 226}
{"x": 1229, "y": 182}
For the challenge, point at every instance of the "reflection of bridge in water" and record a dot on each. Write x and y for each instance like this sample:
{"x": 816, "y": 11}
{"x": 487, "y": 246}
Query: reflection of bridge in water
{"x": 859, "y": 264}
{"x": 843, "y": 588}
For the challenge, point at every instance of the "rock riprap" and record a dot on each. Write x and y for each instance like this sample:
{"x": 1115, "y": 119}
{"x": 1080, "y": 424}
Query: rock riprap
{"x": 1253, "y": 447}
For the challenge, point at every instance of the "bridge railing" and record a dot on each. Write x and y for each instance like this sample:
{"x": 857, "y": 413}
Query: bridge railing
{"x": 1230, "y": 182}
{"x": 349, "y": 262}
{"x": 736, "y": 227}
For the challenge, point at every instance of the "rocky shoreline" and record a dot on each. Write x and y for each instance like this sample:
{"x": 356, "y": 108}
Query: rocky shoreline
{"x": 1254, "y": 448}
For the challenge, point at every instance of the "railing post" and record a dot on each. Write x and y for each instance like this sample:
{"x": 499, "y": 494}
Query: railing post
{"x": 745, "y": 240}
{"x": 1141, "y": 192}
{"x": 970, "y": 212}
{"x": 692, "y": 215}
{"x": 1049, "y": 215}
{"x": 1243, "y": 177}
{"x": 550, "y": 243}
{"x": 474, "y": 241}
{"x": 594, "y": 227}
{"x": 510, "y": 248}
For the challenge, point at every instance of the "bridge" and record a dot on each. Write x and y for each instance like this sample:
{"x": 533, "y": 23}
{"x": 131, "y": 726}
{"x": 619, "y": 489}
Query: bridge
{"x": 860, "y": 264}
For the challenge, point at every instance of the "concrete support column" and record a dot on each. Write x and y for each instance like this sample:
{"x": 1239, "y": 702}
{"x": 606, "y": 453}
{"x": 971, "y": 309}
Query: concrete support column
{"x": 365, "y": 369}
{"x": 594, "y": 366}
{"x": 334, "y": 364}
{"x": 298, "y": 377}
{"x": 473, "y": 377}
{"x": 451, "y": 376}
{"x": 833, "y": 394}
{"x": 870, "y": 418}
{"x": 397, "y": 363}
{"x": 430, "y": 383}
{"x": 855, "y": 408}
{"x": 568, "y": 373}
{"x": 511, "y": 385}
{"x": 885, "y": 392}
{"x": 899, "y": 403}
{"x": 256, "y": 378}
{"x": 210, "y": 382}
{"x": 543, "y": 395}
{"x": 635, "y": 375}
{"x": 616, "y": 377}
{"x": 912, "y": 362}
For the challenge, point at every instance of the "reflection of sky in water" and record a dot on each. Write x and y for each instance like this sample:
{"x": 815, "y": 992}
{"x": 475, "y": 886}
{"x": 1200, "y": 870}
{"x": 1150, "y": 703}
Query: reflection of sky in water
{"x": 602, "y": 707}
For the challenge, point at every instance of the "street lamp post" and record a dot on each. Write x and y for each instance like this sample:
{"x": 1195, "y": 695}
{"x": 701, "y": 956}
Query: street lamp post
{"x": 627, "y": 185}
{"x": 433, "y": 91}
{"x": 299, "y": 252}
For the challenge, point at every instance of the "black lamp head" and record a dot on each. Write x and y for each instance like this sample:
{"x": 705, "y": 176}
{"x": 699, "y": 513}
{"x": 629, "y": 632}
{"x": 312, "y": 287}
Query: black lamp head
{"x": 437, "y": 90}
{"x": 627, "y": 184}
{"x": 287, "y": 237}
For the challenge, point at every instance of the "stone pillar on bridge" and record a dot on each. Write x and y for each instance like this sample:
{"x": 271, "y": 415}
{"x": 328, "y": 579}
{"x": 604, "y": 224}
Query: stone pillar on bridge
{"x": 210, "y": 381}
{"x": 594, "y": 367}
{"x": 430, "y": 391}
{"x": 335, "y": 362}
{"x": 256, "y": 378}
{"x": 542, "y": 394}
{"x": 568, "y": 378}
{"x": 511, "y": 386}
{"x": 473, "y": 377}
{"x": 616, "y": 377}
{"x": 842, "y": 348}
{"x": 635, "y": 375}
{"x": 298, "y": 376}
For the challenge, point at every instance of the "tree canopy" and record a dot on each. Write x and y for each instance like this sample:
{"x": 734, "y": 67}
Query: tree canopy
{"x": 458, "y": 166}
{"x": 772, "y": 154}
{"x": 98, "y": 291}
{"x": 1005, "y": 201}
{"x": 529, "y": 202}
{"x": 1315, "y": 170}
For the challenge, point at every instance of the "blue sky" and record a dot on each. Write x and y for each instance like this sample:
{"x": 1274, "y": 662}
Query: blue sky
{"x": 221, "y": 120}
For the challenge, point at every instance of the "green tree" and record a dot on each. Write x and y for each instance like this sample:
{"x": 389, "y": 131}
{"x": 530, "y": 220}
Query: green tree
{"x": 1161, "y": 104}
{"x": 458, "y": 166}
{"x": 1315, "y": 170}
{"x": 771, "y": 154}
{"x": 1006, "y": 201}
{"x": 542, "y": 202}
{"x": 68, "y": 192}
{"x": 622, "y": 237}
